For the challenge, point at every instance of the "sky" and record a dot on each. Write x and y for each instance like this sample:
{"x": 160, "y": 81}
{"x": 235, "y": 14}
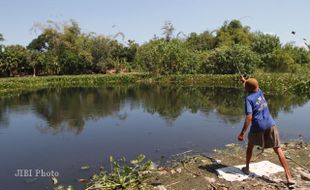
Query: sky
{"x": 140, "y": 20}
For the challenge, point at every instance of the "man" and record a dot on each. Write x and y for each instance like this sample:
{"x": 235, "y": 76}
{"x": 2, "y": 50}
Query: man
{"x": 264, "y": 131}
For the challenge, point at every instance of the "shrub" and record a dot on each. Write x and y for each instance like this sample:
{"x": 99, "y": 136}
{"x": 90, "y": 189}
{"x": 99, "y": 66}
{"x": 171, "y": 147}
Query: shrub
{"x": 173, "y": 57}
{"x": 231, "y": 60}
{"x": 280, "y": 61}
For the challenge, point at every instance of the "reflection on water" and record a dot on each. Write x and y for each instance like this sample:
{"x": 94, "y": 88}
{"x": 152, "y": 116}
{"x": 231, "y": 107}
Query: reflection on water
{"x": 68, "y": 109}
{"x": 62, "y": 129}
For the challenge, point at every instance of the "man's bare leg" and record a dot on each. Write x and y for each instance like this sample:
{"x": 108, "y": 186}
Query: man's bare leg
{"x": 284, "y": 164}
{"x": 249, "y": 152}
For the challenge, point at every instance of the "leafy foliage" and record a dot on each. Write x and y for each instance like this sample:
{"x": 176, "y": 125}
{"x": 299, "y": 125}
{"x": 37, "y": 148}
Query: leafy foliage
{"x": 299, "y": 54}
{"x": 235, "y": 60}
{"x": 13, "y": 61}
{"x": 121, "y": 176}
{"x": 233, "y": 33}
{"x": 62, "y": 48}
{"x": 281, "y": 61}
{"x": 202, "y": 42}
{"x": 162, "y": 57}
{"x": 265, "y": 43}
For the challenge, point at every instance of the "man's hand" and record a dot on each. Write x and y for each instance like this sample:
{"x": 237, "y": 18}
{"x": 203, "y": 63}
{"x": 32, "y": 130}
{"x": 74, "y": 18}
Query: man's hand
{"x": 241, "y": 136}
{"x": 242, "y": 79}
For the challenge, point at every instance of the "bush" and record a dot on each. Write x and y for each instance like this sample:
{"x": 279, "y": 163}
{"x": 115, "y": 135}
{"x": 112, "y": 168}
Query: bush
{"x": 13, "y": 61}
{"x": 265, "y": 43}
{"x": 231, "y": 60}
{"x": 173, "y": 57}
{"x": 300, "y": 55}
{"x": 280, "y": 61}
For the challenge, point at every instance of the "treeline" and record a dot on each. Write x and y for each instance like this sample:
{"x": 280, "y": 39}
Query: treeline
{"x": 63, "y": 49}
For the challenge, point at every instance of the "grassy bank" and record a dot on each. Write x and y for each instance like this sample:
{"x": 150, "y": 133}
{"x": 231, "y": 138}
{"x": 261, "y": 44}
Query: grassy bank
{"x": 189, "y": 170}
{"x": 271, "y": 83}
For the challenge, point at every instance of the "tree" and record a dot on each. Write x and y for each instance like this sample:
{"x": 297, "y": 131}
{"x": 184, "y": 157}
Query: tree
{"x": 1, "y": 54}
{"x": 264, "y": 45}
{"x": 168, "y": 30}
{"x": 299, "y": 54}
{"x": 68, "y": 45}
{"x": 231, "y": 60}
{"x": 281, "y": 61}
{"x": 14, "y": 61}
{"x": 233, "y": 33}
{"x": 35, "y": 59}
{"x": 307, "y": 43}
{"x": 1, "y": 37}
{"x": 128, "y": 53}
{"x": 107, "y": 54}
{"x": 49, "y": 43}
{"x": 201, "y": 42}
{"x": 173, "y": 57}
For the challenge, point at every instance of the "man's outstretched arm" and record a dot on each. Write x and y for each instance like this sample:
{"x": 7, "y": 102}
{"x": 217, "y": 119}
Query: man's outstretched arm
{"x": 247, "y": 122}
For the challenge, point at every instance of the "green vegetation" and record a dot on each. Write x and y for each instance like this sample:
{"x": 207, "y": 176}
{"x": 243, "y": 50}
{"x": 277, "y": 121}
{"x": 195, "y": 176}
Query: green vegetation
{"x": 191, "y": 63}
{"x": 276, "y": 83}
{"x": 121, "y": 176}
{"x": 63, "y": 49}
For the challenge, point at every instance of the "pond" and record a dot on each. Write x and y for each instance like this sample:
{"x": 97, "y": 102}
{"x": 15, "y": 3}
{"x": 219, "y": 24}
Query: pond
{"x": 61, "y": 129}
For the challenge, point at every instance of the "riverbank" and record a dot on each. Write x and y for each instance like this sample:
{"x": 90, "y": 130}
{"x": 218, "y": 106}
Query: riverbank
{"x": 272, "y": 83}
{"x": 189, "y": 170}
{"x": 198, "y": 171}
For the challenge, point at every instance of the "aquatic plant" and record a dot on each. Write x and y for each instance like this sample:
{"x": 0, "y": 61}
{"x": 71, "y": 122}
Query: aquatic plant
{"x": 121, "y": 176}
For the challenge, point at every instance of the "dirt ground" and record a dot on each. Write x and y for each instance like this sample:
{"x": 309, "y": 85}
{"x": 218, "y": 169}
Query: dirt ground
{"x": 198, "y": 171}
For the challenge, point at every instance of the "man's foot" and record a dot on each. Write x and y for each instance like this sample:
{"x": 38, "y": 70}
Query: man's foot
{"x": 245, "y": 170}
{"x": 291, "y": 183}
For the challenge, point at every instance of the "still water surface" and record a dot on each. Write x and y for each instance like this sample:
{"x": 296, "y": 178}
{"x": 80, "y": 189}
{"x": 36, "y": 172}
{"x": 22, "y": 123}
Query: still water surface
{"x": 62, "y": 129}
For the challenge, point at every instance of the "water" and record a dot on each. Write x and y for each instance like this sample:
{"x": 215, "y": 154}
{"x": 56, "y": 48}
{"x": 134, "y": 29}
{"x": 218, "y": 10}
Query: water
{"x": 63, "y": 129}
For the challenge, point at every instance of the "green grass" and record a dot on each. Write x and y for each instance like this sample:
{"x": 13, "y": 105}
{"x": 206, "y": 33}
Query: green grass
{"x": 271, "y": 83}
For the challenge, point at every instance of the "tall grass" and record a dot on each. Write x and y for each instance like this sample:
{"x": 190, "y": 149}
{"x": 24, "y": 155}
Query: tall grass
{"x": 271, "y": 83}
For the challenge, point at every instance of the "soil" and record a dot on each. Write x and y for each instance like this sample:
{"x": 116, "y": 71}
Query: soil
{"x": 198, "y": 171}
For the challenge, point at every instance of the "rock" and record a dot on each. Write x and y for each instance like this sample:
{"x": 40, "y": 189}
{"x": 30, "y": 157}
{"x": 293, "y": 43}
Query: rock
{"x": 304, "y": 176}
{"x": 153, "y": 166}
{"x": 210, "y": 179}
{"x": 205, "y": 161}
{"x": 145, "y": 172}
{"x": 162, "y": 172}
{"x": 161, "y": 168}
{"x": 217, "y": 161}
{"x": 179, "y": 170}
{"x": 156, "y": 182}
{"x": 160, "y": 187}
{"x": 173, "y": 171}
{"x": 268, "y": 151}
